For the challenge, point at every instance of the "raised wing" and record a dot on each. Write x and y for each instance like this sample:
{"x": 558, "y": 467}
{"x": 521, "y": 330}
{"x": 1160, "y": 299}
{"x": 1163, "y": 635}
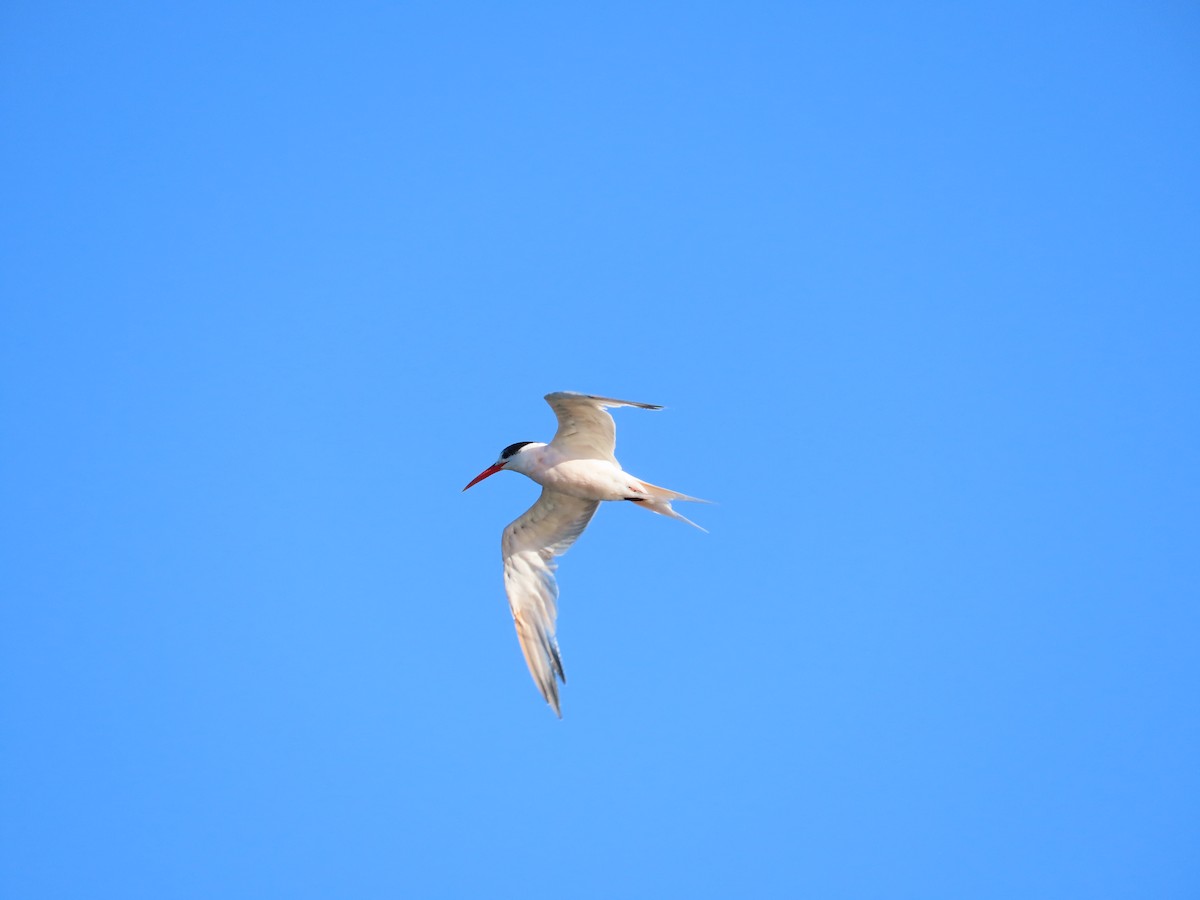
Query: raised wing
{"x": 546, "y": 530}
{"x": 585, "y": 430}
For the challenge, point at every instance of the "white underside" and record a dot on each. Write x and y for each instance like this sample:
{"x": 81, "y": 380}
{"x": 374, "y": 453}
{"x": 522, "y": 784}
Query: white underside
{"x": 589, "y": 479}
{"x": 586, "y": 479}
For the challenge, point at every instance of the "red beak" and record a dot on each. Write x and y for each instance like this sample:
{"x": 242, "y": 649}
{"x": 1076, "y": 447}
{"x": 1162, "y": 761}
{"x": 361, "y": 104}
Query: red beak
{"x": 490, "y": 470}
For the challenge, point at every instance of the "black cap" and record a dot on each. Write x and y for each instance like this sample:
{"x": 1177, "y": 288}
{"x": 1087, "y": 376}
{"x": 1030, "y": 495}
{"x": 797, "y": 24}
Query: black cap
{"x": 511, "y": 449}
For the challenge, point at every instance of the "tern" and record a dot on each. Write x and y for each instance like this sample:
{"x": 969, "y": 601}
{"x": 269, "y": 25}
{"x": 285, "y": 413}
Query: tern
{"x": 576, "y": 470}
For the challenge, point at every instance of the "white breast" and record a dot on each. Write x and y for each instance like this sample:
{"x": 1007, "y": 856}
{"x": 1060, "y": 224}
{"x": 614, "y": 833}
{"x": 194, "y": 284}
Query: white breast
{"x": 587, "y": 479}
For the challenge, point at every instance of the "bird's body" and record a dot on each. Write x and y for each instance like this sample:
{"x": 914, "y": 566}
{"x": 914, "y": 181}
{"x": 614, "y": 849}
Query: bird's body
{"x": 577, "y": 471}
{"x": 586, "y": 479}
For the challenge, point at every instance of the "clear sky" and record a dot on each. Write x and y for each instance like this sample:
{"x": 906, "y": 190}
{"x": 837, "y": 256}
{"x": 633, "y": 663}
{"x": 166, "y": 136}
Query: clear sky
{"x": 919, "y": 286}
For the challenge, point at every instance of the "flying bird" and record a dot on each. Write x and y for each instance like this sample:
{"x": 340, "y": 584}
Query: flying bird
{"x": 576, "y": 470}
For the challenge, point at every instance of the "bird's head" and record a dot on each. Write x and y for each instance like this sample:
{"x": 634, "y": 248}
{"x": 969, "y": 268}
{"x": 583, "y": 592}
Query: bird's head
{"x": 509, "y": 458}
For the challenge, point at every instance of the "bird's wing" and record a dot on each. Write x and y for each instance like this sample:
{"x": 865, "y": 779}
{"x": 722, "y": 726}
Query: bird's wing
{"x": 546, "y": 530}
{"x": 585, "y": 430}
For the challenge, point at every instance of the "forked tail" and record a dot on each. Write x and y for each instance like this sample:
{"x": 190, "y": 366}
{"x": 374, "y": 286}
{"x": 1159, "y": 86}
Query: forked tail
{"x": 658, "y": 500}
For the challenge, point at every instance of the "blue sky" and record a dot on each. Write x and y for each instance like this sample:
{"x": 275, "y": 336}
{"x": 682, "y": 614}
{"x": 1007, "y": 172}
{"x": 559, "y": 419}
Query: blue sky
{"x": 919, "y": 289}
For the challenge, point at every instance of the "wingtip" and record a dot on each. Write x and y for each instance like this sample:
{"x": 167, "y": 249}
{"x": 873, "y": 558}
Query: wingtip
{"x": 604, "y": 401}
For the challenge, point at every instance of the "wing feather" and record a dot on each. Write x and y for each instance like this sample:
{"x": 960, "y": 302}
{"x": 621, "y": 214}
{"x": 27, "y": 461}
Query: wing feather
{"x": 585, "y": 430}
{"x": 546, "y": 530}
